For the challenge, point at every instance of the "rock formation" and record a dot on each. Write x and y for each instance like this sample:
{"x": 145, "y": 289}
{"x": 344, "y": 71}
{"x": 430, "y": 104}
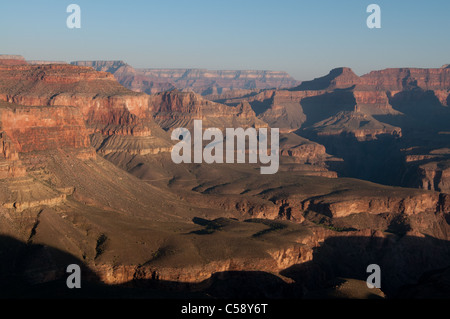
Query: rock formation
{"x": 359, "y": 125}
{"x": 378, "y": 113}
{"x": 178, "y": 109}
{"x": 12, "y": 60}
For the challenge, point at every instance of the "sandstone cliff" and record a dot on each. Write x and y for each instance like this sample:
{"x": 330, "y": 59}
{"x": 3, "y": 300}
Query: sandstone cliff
{"x": 43, "y": 128}
{"x": 29, "y": 135}
{"x": 178, "y": 109}
{"x": 105, "y": 105}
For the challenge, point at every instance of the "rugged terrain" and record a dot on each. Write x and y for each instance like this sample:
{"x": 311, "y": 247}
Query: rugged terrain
{"x": 86, "y": 177}
{"x": 388, "y": 126}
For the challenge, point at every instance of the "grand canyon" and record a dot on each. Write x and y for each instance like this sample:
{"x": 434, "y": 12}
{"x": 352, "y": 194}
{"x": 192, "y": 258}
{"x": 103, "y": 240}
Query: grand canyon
{"x": 86, "y": 178}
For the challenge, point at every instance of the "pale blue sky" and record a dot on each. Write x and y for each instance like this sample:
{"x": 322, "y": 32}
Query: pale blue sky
{"x": 304, "y": 38}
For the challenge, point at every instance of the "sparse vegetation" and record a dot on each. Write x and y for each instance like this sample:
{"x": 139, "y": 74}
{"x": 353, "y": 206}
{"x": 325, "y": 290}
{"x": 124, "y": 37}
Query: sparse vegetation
{"x": 100, "y": 247}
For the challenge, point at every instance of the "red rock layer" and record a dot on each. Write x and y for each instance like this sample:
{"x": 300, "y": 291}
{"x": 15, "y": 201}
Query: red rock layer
{"x": 44, "y": 128}
{"x": 105, "y": 105}
{"x": 10, "y": 165}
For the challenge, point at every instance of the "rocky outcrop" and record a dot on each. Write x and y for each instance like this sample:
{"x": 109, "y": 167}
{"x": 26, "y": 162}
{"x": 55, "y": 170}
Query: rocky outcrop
{"x": 10, "y": 165}
{"x": 275, "y": 261}
{"x": 373, "y": 102}
{"x": 428, "y": 168}
{"x": 409, "y": 205}
{"x": 303, "y": 151}
{"x": 359, "y": 125}
{"x": 434, "y": 175}
{"x": 179, "y": 109}
{"x": 339, "y": 78}
{"x": 278, "y": 108}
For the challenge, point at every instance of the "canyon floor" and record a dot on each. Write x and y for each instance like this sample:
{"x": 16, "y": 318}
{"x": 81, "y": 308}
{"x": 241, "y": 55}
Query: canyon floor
{"x": 86, "y": 178}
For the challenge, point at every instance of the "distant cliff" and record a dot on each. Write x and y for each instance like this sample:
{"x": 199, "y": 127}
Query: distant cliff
{"x": 12, "y": 59}
{"x": 201, "y": 81}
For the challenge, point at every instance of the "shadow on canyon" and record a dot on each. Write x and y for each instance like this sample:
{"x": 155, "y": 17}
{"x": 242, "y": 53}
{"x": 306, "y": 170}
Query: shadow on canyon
{"x": 411, "y": 267}
{"x": 379, "y": 161}
{"x": 420, "y": 109}
{"x": 421, "y": 117}
{"x": 322, "y": 107}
